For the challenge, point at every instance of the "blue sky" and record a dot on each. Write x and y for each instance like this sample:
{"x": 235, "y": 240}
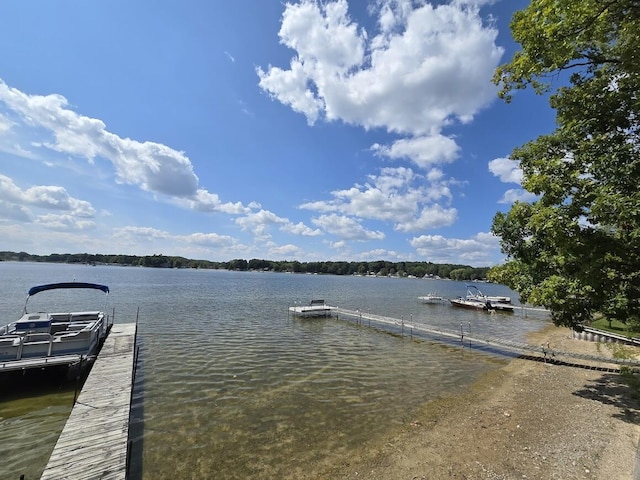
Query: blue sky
{"x": 333, "y": 130}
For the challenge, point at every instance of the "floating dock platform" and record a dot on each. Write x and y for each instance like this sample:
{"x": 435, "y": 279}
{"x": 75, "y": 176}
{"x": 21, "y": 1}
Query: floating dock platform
{"x": 94, "y": 441}
{"x": 316, "y": 308}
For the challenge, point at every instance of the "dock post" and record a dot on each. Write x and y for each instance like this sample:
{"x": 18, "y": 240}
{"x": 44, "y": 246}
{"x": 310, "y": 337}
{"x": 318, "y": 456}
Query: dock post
{"x": 20, "y": 348}
{"x": 75, "y": 391}
{"x": 50, "y": 349}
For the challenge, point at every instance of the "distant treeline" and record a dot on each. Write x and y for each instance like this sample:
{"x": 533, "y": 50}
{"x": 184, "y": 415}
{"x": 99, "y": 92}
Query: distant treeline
{"x": 378, "y": 268}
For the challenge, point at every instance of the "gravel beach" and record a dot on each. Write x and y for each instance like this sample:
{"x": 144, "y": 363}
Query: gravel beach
{"x": 527, "y": 420}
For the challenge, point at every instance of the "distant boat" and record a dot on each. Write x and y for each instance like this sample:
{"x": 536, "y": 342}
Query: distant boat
{"x": 431, "y": 298}
{"x": 469, "y": 303}
{"x": 315, "y": 308}
{"x": 474, "y": 292}
{"x": 475, "y": 299}
{"x": 493, "y": 302}
{"x": 45, "y": 338}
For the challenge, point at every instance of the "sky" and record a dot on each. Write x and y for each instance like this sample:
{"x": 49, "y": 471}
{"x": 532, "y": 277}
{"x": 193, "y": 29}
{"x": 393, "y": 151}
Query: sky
{"x": 334, "y": 130}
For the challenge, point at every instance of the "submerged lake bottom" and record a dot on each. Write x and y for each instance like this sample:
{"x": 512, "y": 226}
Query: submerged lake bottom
{"x": 229, "y": 386}
{"x": 269, "y": 413}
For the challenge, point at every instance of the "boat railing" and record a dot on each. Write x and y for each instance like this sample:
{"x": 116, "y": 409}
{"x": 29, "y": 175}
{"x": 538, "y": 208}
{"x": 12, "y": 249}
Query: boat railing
{"x": 85, "y": 316}
{"x": 67, "y": 317}
{"x": 7, "y": 328}
{"x": 9, "y": 340}
{"x": 37, "y": 337}
{"x": 79, "y": 332}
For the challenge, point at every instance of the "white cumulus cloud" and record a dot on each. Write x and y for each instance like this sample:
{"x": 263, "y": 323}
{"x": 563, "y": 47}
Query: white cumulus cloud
{"x": 397, "y": 195}
{"x": 50, "y": 206}
{"x": 479, "y": 250}
{"x": 424, "y": 151}
{"x": 425, "y": 67}
{"x": 346, "y": 228}
{"x": 509, "y": 171}
{"x": 152, "y": 166}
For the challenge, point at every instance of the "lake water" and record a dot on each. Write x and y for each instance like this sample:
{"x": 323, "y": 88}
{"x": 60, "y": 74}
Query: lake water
{"x": 230, "y": 386}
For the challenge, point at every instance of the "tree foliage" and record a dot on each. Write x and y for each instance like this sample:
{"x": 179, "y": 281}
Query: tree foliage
{"x": 576, "y": 249}
{"x": 378, "y": 268}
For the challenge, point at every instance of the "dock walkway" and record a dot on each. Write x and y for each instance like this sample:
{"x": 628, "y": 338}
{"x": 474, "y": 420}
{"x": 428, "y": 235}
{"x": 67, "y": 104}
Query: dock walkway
{"x": 93, "y": 443}
{"x": 479, "y": 340}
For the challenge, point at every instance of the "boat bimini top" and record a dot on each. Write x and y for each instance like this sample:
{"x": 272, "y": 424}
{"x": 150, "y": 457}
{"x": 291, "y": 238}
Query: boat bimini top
{"x": 54, "y": 286}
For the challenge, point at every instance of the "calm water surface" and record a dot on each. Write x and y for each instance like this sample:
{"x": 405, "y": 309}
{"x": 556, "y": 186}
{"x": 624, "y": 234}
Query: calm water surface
{"x": 229, "y": 386}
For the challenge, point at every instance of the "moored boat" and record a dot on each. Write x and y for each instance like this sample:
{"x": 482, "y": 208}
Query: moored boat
{"x": 469, "y": 303}
{"x": 474, "y": 292}
{"x": 52, "y": 338}
{"x": 478, "y": 301}
{"x": 493, "y": 302}
{"x": 431, "y": 298}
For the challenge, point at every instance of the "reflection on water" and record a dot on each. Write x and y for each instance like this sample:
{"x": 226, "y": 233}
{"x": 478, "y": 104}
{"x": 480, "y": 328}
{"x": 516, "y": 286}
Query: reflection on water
{"x": 231, "y": 387}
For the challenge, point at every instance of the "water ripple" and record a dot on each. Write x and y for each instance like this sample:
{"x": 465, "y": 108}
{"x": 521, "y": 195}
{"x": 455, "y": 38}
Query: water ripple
{"x": 230, "y": 387}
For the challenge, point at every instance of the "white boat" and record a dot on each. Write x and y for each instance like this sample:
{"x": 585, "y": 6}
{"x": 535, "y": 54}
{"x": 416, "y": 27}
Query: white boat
{"x": 431, "y": 298}
{"x": 469, "y": 303}
{"x": 315, "y": 308}
{"x": 476, "y": 300}
{"x": 49, "y": 338}
{"x": 474, "y": 292}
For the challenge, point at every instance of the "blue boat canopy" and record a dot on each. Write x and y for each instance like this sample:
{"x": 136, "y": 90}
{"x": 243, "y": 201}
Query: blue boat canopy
{"x": 53, "y": 286}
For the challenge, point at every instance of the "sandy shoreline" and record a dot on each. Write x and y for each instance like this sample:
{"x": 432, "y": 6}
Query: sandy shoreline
{"x": 526, "y": 420}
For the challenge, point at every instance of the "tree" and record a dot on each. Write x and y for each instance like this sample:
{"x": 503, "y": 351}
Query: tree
{"x": 238, "y": 264}
{"x": 576, "y": 248}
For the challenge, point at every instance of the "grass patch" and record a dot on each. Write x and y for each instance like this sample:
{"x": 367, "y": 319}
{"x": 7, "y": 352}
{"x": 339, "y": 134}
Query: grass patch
{"x": 616, "y": 327}
{"x": 620, "y": 351}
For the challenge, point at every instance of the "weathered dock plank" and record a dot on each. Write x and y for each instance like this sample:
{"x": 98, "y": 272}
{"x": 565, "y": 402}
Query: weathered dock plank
{"x": 93, "y": 443}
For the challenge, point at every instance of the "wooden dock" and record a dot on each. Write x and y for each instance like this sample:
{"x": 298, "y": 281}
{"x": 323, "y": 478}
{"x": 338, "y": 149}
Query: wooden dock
{"x": 93, "y": 443}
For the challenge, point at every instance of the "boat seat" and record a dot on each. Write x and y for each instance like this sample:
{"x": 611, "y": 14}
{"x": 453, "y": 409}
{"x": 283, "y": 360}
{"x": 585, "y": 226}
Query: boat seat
{"x": 57, "y": 327}
{"x": 37, "y": 337}
{"x": 73, "y": 327}
{"x": 84, "y": 316}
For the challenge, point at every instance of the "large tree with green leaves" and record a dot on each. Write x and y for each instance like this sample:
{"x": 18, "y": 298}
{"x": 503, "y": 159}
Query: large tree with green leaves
{"x": 576, "y": 249}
